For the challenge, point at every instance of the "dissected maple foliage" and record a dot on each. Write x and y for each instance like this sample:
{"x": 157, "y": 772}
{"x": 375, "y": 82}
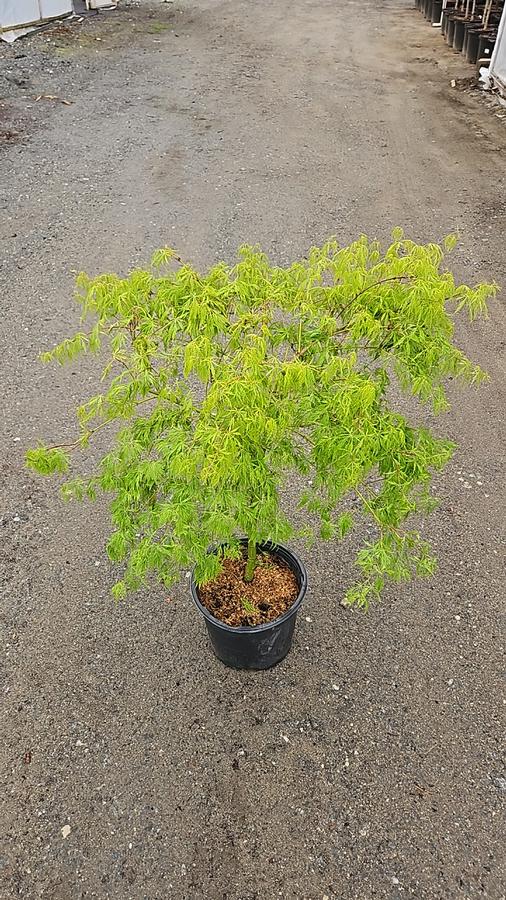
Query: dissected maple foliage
{"x": 224, "y": 384}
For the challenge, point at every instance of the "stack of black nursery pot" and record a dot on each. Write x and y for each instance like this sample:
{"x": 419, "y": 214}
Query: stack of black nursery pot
{"x": 469, "y": 26}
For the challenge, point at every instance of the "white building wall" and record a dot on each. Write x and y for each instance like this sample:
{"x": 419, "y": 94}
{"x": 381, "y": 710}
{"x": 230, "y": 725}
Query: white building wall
{"x": 16, "y": 13}
{"x": 52, "y": 8}
{"x": 497, "y": 70}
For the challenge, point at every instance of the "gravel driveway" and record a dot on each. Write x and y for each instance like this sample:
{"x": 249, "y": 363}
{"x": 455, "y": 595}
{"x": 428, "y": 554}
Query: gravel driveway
{"x": 367, "y": 765}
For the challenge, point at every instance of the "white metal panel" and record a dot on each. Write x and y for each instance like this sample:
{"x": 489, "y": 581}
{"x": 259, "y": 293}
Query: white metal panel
{"x": 498, "y": 62}
{"x": 51, "y": 8}
{"x": 18, "y": 12}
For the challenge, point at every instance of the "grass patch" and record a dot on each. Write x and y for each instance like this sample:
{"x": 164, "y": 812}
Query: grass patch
{"x": 158, "y": 28}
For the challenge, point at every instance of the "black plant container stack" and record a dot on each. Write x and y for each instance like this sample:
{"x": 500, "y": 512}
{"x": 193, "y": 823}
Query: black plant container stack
{"x": 468, "y": 26}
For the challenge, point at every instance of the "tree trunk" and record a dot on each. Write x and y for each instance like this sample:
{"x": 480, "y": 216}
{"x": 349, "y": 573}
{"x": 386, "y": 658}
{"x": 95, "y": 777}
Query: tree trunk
{"x": 252, "y": 561}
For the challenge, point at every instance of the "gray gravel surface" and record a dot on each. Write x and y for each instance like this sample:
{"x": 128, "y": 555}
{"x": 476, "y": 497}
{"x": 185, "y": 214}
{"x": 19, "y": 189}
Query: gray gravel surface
{"x": 368, "y": 764}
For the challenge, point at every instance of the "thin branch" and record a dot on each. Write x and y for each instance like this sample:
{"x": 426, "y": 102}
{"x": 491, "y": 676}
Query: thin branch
{"x": 381, "y": 524}
{"x": 304, "y": 437}
{"x": 370, "y": 287}
{"x": 89, "y": 434}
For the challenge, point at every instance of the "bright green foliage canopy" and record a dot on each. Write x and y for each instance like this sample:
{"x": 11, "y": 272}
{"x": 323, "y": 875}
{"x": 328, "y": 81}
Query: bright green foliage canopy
{"x": 226, "y": 384}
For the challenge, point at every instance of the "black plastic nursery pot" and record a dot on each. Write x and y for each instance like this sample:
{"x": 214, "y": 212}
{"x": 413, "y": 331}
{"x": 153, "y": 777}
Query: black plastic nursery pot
{"x": 466, "y": 35}
{"x": 472, "y": 44}
{"x": 258, "y": 646}
{"x": 458, "y": 34}
{"x": 450, "y": 29}
{"x": 486, "y": 44}
{"x": 437, "y": 9}
{"x": 447, "y": 12}
{"x": 444, "y": 23}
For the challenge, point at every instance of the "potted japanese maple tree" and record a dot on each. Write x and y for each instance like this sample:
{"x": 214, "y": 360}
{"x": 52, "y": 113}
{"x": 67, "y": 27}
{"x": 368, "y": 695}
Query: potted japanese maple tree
{"x": 224, "y": 385}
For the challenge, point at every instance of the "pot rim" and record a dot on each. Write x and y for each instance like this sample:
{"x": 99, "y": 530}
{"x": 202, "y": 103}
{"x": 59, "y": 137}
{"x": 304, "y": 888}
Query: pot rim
{"x": 297, "y": 567}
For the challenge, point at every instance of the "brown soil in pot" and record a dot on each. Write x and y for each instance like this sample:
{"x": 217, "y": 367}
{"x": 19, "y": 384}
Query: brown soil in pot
{"x": 232, "y": 600}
